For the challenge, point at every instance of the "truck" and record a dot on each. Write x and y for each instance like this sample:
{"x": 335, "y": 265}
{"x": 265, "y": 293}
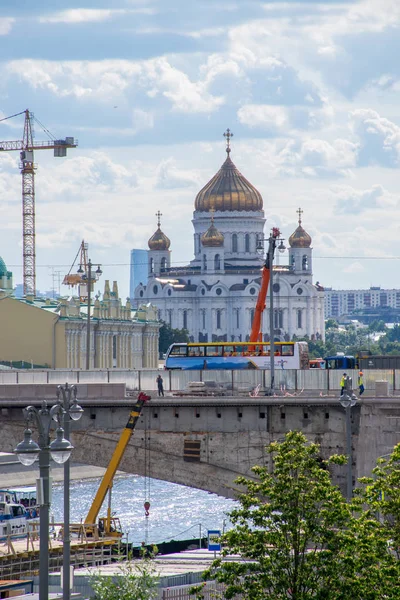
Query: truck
{"x": 110, "y": 526}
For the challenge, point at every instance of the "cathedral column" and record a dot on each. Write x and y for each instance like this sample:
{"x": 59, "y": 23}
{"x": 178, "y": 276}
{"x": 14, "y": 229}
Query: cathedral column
{"x": 68, "y": 343}
{"x": 308, "y": 317}
{"x": 290, "y": 318}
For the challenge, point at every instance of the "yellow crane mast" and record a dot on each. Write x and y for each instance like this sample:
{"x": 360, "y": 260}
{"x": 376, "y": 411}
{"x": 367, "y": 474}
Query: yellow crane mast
{"x": 110, "y": 525}
{"x": 26, "y": 146}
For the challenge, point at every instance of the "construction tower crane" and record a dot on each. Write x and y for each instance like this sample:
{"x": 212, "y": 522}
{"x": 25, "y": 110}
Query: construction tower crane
{"x": 26, "y": 146}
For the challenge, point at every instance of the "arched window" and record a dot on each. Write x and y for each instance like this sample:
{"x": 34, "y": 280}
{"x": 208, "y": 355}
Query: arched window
{"x": 247, "y": 242}
{"x": 152, "y": 265}
{"x": 203, "y": 318}
{"x": 299, "y": 318}
{"x": 251, "y": 317}
{"x": 234, "y": 243}
{"x": 293, "y": 260}
{"x": 204, "y": 262}
{"x": 305, "y": 263}
{"x": 185, "y": 319}
{"x": 163, "y": 264}
{"x": 219, "y": 319}
{"x": 217, "y": 262}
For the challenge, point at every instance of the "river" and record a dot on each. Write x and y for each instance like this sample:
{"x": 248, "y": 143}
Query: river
{"x": 176, "y": 512}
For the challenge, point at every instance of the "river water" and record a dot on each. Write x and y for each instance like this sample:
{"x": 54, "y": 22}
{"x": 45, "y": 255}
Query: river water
{"x": 176, "y": 512}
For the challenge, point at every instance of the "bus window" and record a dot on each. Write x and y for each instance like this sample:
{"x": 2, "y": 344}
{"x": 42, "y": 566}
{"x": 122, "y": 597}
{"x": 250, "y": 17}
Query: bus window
{"x": 215, "y": 350}
{"x": 287, "y": 350}
{"x": 196, "y": 350}
{"x": 278, "y": 349}
{"x": 178, "y": 351}
{"x": 229, "y": 350}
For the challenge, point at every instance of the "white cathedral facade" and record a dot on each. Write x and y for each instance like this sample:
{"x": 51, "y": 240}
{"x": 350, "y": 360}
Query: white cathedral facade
{"x": 214, "y": 297}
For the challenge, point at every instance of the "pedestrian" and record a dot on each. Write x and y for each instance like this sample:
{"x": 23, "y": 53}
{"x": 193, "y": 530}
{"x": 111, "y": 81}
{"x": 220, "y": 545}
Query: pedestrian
{"x": 343, "y": 383}
{"x": 361, "y": 382}
{"x": 160, "y": 385}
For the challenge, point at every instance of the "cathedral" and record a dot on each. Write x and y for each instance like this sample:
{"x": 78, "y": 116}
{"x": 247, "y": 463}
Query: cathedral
{"x": 214, "y": 297}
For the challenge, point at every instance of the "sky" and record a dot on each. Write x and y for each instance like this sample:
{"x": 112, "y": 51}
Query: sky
{"x": 309, "y": 89}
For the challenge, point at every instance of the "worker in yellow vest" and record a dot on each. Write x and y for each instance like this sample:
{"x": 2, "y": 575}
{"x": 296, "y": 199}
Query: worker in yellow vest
{"x": 361, "y": 382}
{"x": 343, "y": 383}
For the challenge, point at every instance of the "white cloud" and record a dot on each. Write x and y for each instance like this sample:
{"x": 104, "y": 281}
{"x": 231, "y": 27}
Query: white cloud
{"x": 267, "y": 116}
{"x": 170, "y": 177}
{"x": 317, "y": 158}
{"x": 354, "y": 267}
{"x": 380, "y": 138}
{"x": 6, "y": 24}
{"x": 90, "y": 15}
{"x": 105, "y": 80}
{"x": 142, "y": 120}
{"x": 352, "y": 201}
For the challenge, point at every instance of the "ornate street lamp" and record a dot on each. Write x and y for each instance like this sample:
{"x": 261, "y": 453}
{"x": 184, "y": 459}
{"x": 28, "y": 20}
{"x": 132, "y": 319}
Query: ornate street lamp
{"x": 348, "y": 399}
{"x": 67, "y": 397}
{"x": 59, "y": 450}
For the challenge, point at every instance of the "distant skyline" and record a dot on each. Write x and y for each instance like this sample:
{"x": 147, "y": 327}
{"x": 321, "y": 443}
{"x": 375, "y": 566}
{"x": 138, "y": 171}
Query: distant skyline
{"x": 309, "y": 89}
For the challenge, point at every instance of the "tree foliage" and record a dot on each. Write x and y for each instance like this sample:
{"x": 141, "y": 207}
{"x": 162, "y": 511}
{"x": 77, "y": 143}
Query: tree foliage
{"x": 378, "y": 501}
{"x": 168, "y": 335}
{"x": 289, "y": 529}
{"x": 298, "y": 538}
{"x": 135, "y": 581}
{"x": 351, "y": 340}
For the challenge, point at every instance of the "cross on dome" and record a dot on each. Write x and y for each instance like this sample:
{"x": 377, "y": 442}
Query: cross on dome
{"x": 158, "y": 215}
{"x": 299, "y": 212}
{"x": 228, "y": 135}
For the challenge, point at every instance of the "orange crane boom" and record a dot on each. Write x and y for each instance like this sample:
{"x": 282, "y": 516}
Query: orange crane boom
{"x": 26, "y": 146}
{"x": 256, "y": 333}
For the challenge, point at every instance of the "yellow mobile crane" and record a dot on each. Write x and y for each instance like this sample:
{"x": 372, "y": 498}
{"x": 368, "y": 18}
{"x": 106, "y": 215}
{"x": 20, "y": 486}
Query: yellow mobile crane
{"x": 110, "y": 526}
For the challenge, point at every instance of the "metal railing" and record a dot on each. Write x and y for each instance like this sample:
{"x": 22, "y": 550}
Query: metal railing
{"x": 235, "y": 381}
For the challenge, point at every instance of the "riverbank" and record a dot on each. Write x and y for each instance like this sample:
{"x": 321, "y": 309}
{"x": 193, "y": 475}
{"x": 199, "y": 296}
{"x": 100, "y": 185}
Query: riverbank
{"x": 13, "y": 474}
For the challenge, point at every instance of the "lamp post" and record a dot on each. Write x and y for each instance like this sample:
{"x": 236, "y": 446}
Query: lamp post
{"x": 66, "y": 396}
{"x": 27, "y": 452}
{"x": 87, "y": 276}
{"x": 348, "y": 399}
{"x": 269, "y": 264}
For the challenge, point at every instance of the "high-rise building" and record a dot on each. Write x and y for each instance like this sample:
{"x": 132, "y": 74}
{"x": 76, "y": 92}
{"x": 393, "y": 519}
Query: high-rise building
{"x": 138, "y": 270}
{"x": 340, "y": 303}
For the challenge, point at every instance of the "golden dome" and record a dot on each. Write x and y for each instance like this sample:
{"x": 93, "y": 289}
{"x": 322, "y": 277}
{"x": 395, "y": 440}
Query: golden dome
{"x": 212, "y": 238}
{"x": 228, "y": 189}
{"x": 300, "y": 237}
{"x": 159, "y": 241}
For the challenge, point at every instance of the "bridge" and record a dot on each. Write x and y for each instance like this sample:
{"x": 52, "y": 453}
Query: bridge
{"x": 206, "y": 442}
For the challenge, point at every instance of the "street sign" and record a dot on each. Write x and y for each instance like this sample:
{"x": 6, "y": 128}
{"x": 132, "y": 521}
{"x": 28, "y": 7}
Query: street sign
{"x": 213, "y": 540}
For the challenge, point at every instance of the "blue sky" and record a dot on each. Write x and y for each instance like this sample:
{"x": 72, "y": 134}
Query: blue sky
{"x": 310, "y": 90}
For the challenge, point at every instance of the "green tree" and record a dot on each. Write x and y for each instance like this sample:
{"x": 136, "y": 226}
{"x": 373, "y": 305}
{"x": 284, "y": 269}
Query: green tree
{"x": 381, "y": 494}
{"x": 289, "y": 530}
{"x": 136, "y": 580}
{"x": 373, "y": 545}
{"x": 169, "y": 335}
{"x": 377, "y": 326}
{"x": 331, "y": 324}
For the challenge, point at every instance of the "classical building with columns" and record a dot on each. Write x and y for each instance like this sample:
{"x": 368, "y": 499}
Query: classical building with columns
{"x": 214, "y": 296}
{"x": 53, "y": 333}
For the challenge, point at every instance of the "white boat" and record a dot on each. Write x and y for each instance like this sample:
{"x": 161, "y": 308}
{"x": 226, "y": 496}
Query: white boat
{"x": 14, "y": 516}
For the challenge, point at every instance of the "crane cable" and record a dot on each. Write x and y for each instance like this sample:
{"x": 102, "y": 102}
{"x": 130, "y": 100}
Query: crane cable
{"x": 147, "y": 480}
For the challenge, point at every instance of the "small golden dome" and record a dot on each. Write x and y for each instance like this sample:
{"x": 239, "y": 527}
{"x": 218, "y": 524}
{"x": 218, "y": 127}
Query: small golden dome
{"x": 159, "y": 241}
{"x": 212, "y": 238}
{"x": 300, "y": 237}
{"x": 228, "y": 189}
